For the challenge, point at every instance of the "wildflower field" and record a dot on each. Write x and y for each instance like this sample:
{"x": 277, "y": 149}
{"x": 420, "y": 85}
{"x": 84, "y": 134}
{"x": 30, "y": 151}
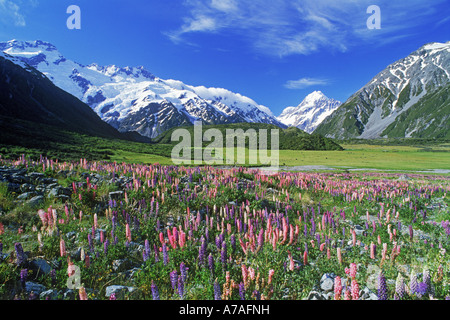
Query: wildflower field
{"x": 106, "y": 230}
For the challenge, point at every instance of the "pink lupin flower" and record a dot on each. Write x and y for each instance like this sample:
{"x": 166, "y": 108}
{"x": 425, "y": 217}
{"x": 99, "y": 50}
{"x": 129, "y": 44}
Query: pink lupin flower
{"x": 322, "y": 246}
{"x": 128, "y": 232}
{"x": 339, "y": 255}
{"x": 354, "y": 237}
{"x": 62, "y": 248}
{"x": 82, "y": 293}
{"x": 291, "y": 261}
{"x": 353, "y": 270}
{"x": 305, "y": 258}
{"x": 328, "y": 253}
{"x": 372, "y": 250}
{"x": 271, "y": 273}
{"x": 244, "y": 274}
{"x": 161, "y": 238}
{"x": 337, "y": 288}
{"x": 182, "y": 239}
{"x": 355, "y": 290}
{"x": 348, "y": 294}
{"x": 95, "y": 221}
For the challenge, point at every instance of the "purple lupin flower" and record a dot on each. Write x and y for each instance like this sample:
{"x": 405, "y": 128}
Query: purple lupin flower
{"x": 23, "y": 277}
{"x": 183, "y": 271}
{"x": 411, "y": 232}
{"x": 223, "y": 255}
{"x": 422, "y": 289}
{"x": 211, "y": 264}
{"x": 105, "y": 246}
{"x": 180, "y": 287}
{"x": 155, "y": 293}
{"x": 165, "y": 255}
{"x": 233, "y": 243}
{"x": 19, "y": 253}
{"x": 202, "y": 251}
{"x": 413, "y": 285}
{"x": 257, "y": 295}
{"x": 242, "y": 291}
{"x": 382, "y": 289}
{"x": 217, "y": 294}
{"x": 112, "y": 296}
{"x": 399, "y": 288}
{"x": 173, "y": 279}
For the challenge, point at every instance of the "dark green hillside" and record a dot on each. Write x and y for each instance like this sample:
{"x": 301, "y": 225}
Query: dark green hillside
{"x": 290, "y": 138}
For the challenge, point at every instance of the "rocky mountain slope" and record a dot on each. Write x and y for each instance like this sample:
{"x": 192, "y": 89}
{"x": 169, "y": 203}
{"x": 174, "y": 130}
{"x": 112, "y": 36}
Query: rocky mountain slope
{"x": 410, "y": 98}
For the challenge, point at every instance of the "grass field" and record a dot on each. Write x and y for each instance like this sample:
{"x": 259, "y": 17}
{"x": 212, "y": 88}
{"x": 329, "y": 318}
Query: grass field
{"x": 408, "y": 158}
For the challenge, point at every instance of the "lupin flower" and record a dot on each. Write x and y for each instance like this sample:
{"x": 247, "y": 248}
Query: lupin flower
{"x": 217, "y": 294}
{"x": 165, "y": 254}
{"x": 183, "y": 271}
{"x": 173, "y": 279}
{"x": 242, "y": 291}
{"x": 337, "y": 288}
{"x": 211, "y": 263}
{"x": 202, "y": 251}
{"x": 180, "y": 287}
{"x": 112, "y": 296}
{"x": 223, "y": 255}
{"x": 339, "y": 255}
{"x": 382, "y": 288}
{"x": 399, "y": 288}
{"x": 155, "y": 292}
{"x": 353, "y": 270}
{"x": 271, "y": 274}
{"x": 23, "y": 276}
{"x": 355, "y": 290}
{"x": 347, "y": 294}
{"x": 128, "y": 232}
{"x": 82, "y": 294}
{"x": 62, "y": 248}
{"x": 20, "y": 256}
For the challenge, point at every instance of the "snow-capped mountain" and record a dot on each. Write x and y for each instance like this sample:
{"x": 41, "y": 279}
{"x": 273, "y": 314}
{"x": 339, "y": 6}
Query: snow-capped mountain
{"x": 29, "y": 96}
{"x": 410, "y": 98}
{"x": 310, "y": 113}
{"x": 133, "y": 99}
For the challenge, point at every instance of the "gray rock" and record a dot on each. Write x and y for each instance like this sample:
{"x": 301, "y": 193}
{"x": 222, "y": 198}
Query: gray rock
{"x": 314, "y": 295}
{"x": 69, "y": 294}
{"x": 50, "y": 294}
{"x": 35, "y": 201}
{"x": 359, "y": 230}
{"x": 40, "y": 266}
{"x": 327, "y": 282}
{"x": 26, "y": 195}
{"x": 116, "y": 195}
{"x": 121, "y": 265}
{"x": 119, "y": 291}
{"x": 34, "y": 287}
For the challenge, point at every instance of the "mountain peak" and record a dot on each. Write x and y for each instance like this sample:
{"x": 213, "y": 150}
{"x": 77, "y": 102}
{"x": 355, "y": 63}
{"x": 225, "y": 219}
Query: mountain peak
{"x": 310, "y": 112}
{"x": 22, "y": 45}
{"x": 436, "y": 46}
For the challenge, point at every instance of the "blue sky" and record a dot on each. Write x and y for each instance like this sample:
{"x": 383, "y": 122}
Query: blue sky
{"x": 273, "y": 51}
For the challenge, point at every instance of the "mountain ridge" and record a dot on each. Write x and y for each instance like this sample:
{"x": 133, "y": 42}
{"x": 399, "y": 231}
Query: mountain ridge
{"x": 401, "y": 92}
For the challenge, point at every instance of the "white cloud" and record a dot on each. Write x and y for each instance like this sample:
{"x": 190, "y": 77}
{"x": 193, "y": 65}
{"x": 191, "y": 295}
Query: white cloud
{"x": 10, "y": 14}
{"x": 286, "y": 27}
{"x": 305, "y": 83}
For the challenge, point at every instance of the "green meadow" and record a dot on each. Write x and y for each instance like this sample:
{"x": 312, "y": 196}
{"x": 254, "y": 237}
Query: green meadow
{"x": 407, "y": 158}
